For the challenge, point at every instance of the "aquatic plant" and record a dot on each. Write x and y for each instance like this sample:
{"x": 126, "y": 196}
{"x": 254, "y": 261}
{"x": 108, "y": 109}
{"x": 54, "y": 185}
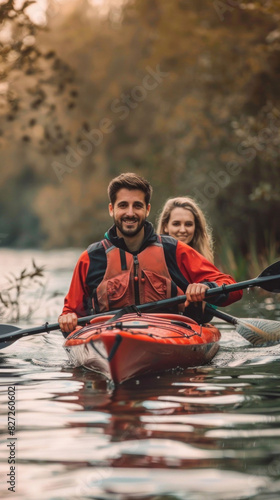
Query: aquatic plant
{"x": 13, "y": 304}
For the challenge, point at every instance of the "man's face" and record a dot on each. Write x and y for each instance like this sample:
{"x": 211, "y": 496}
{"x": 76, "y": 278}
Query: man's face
{"x": 129, "y": 211}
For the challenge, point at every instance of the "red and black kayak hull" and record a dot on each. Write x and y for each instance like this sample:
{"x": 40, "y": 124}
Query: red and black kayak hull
{"x": 133, "y": 345}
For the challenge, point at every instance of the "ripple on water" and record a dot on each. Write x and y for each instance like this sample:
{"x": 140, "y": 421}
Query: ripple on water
{"x": 227, "y": 399}
{"x": 96, "y": 448}
{"x": 104, "y": 483}
{"x": 215, "y": 420}
{"x": 189, "y": 435}
{"x": 244, "y": 434}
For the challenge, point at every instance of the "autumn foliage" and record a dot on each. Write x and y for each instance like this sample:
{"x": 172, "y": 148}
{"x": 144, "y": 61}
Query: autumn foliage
{"x": 182, "y": 92}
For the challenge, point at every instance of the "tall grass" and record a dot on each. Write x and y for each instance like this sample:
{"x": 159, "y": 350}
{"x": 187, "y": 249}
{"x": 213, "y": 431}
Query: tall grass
{"x": 13, "y": 302}
{"x": 269, "y": 255}
{"x": 231, "y": 260}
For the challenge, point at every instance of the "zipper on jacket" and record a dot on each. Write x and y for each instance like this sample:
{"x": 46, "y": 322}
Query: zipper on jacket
{"x": 136, "y": 280}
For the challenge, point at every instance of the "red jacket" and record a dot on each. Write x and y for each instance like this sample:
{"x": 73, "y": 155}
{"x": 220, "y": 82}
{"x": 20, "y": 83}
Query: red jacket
{"x": 184, "y": 263}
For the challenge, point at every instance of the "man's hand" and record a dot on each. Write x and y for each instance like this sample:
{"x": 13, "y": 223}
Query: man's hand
{"x": 68, "y": 322}
{"x": 195, "y": 293}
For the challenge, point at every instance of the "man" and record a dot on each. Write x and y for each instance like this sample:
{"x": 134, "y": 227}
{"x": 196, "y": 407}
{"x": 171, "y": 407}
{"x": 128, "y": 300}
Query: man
{"x": 133, "y": 265}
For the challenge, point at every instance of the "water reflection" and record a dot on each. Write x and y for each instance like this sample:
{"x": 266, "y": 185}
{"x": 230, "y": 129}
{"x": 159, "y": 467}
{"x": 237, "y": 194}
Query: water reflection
{"x": 209, "y": 432}
{"x": 70, "y": 420}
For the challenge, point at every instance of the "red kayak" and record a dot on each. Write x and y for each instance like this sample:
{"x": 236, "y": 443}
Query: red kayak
{"x": 136, "y": 345}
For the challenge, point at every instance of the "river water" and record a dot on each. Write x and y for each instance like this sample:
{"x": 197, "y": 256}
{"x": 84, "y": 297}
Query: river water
{"x": 212, "y": 432}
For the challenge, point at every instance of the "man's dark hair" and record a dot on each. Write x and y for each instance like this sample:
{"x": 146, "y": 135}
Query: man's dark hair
{"x": 129, "y": 181}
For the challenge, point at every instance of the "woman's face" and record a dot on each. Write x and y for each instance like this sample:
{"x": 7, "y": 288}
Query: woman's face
{"x": 181, "y": 225}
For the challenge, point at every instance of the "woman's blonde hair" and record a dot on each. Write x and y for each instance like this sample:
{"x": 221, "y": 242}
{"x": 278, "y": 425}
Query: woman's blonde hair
{"x": 202, "y": 240}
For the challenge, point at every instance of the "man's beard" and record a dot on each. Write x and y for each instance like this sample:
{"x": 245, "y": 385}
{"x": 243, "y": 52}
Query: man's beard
{"x": 129, "y": 233}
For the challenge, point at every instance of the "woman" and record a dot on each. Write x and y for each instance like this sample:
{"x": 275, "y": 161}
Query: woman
{"x": 182, "y": 218}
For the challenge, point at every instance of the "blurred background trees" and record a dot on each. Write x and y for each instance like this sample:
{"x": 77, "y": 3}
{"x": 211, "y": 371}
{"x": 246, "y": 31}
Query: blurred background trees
{"x": 184, "y": 92}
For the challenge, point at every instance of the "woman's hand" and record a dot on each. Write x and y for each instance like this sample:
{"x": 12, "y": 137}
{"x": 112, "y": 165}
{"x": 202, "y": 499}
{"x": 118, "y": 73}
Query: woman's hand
{"x": 196, "y": 293}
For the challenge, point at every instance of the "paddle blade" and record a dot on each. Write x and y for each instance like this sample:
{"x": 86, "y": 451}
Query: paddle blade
{"x": 259, "y": 332}
{"x": 4, "y": 330}
{"x": 274, "y": 285}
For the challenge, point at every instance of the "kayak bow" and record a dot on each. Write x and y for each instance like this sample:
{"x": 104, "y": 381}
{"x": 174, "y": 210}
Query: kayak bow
{"x": 136, "y": 345}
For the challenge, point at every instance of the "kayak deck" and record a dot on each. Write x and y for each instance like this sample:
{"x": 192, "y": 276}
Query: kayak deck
{"x": 136, "y": 345}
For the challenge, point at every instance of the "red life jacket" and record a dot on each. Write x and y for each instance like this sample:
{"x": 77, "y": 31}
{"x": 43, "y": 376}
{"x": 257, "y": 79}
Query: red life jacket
{"x": 134, "y": 279}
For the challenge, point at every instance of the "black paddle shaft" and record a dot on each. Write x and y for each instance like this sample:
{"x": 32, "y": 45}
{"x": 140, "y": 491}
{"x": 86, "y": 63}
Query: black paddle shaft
{"x": 219, "y": 314}
{"x": 269, "y": 280}
{"x": 269, "y": 283}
